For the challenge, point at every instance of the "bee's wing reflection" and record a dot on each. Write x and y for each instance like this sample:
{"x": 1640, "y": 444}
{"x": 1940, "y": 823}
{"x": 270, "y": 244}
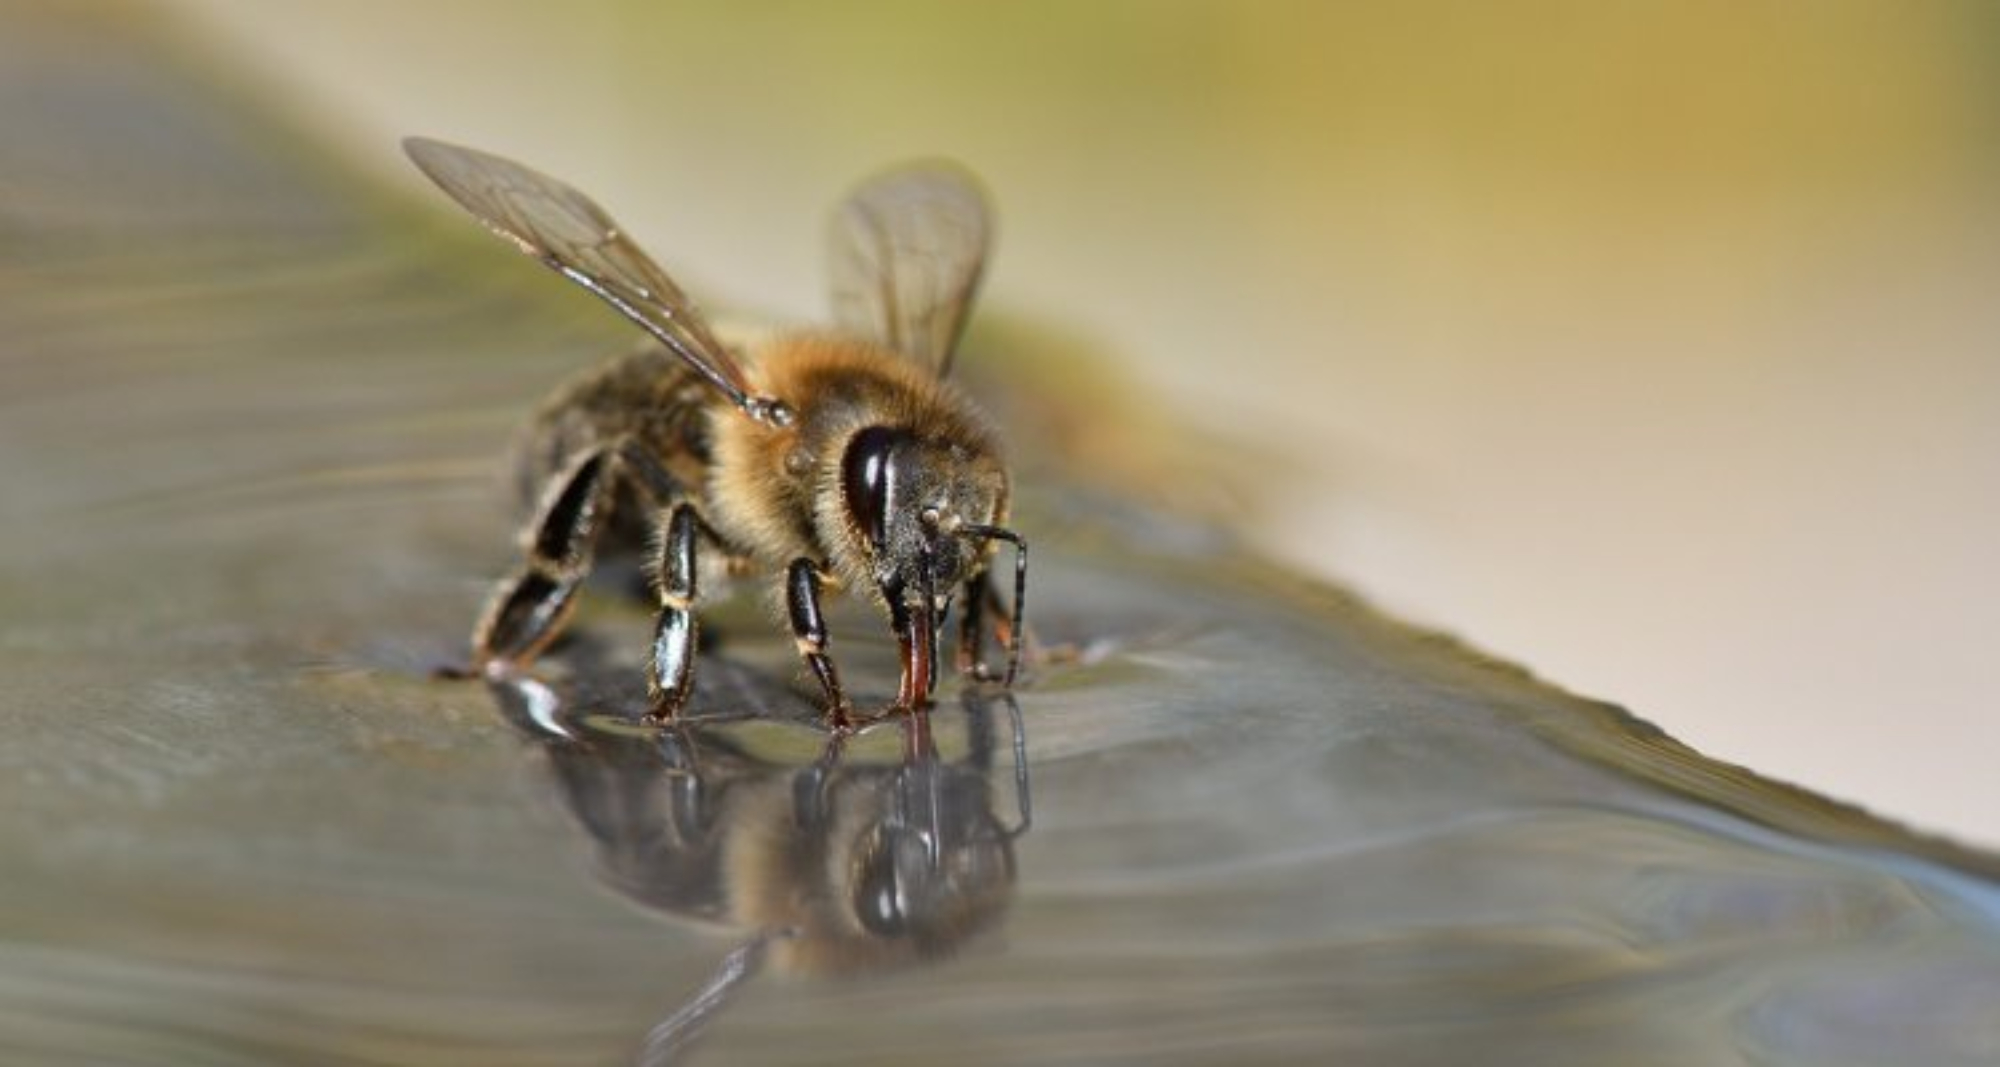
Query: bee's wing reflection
{"x": 674, "y": 1035}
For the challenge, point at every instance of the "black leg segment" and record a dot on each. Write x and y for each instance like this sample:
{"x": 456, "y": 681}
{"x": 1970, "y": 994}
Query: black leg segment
{"x": 971, "y": 659}
{"x": 670, "y": 668}
{"x": 802, "y": 583}
{"x": 527, "y": 609}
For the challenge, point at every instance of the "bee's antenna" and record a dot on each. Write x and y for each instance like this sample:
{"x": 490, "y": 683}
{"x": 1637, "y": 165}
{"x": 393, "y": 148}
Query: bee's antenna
{"x": 1001, "y": 533}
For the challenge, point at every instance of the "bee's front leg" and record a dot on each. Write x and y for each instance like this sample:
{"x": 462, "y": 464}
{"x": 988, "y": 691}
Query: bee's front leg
{"x": 802, "y": 582}
{"x": 982, "y": 596}
{"x": 528, "y": 608}
{"x": 978, "y": 595}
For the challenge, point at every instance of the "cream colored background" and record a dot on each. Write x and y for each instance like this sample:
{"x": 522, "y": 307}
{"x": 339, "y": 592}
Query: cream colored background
{"x": 1651, "y": 345}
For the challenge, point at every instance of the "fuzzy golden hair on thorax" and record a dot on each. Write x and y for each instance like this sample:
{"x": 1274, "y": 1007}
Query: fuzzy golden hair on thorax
{"x": 775, "y": 490}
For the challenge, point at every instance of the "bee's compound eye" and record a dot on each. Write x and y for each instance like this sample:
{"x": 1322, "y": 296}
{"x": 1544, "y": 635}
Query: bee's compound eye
{"x": 867, "y": 476}
{"x": 878, "y": 899}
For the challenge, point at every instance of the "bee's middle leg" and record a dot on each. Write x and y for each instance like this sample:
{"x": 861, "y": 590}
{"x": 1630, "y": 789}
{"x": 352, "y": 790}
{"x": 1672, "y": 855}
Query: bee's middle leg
{"x": 670, "y": 667}
{"x": 802, "y": 581}
{"x": 528, "y": 608}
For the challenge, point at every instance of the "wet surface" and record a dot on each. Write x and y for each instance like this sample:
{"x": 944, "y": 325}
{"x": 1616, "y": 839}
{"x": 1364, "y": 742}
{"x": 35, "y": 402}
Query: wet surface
{"x": 251, "y": 437}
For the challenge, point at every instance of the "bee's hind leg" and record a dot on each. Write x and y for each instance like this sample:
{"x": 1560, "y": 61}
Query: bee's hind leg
{"x": 528, "y": 608}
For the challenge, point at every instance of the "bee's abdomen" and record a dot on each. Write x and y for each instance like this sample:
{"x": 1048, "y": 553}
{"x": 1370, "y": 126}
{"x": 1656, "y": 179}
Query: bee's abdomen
{"x": 642, "y": 396}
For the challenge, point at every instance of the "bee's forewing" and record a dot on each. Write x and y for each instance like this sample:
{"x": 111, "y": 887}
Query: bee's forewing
{"x": 568, "y": 231}
{"x": 909, "y": 247}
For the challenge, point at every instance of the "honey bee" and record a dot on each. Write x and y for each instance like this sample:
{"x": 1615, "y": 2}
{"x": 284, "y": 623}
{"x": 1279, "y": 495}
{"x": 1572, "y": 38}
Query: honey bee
{"x": 836, "y": 460}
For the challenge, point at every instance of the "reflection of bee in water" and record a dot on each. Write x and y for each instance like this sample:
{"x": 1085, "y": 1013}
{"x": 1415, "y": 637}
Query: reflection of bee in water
{"x": 841, "y": 866}
{"x": 845, "y": 461}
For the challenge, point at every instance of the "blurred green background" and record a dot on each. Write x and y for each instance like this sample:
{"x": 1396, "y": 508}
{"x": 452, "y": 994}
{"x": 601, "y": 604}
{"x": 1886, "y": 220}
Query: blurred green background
{"x": 1653, "y": 345}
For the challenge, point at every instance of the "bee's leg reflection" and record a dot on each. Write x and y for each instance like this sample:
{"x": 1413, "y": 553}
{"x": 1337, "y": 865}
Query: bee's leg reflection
{"x": 980, "y": 746}
{"x": 527, "y": 609}
{"x": 809, "y": 629}
{"x": 670, "y": 668}
{"x": 533, "y": 708}
{"x": 811, "y": 807}
{"x": 1021, "y": 799}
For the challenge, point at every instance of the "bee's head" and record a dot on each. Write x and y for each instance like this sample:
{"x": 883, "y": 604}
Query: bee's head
{"x": 924, "y": 512}
{"x": 912, "y": 500}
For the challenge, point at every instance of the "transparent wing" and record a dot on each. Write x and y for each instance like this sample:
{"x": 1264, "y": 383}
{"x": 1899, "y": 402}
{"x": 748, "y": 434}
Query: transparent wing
{"x": 908, "y": 250}
{"x": 572, "y": 235}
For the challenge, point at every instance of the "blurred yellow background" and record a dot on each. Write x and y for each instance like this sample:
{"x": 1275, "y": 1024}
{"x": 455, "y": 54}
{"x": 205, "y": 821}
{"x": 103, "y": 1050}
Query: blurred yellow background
{"x": 1651, "y": 345}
